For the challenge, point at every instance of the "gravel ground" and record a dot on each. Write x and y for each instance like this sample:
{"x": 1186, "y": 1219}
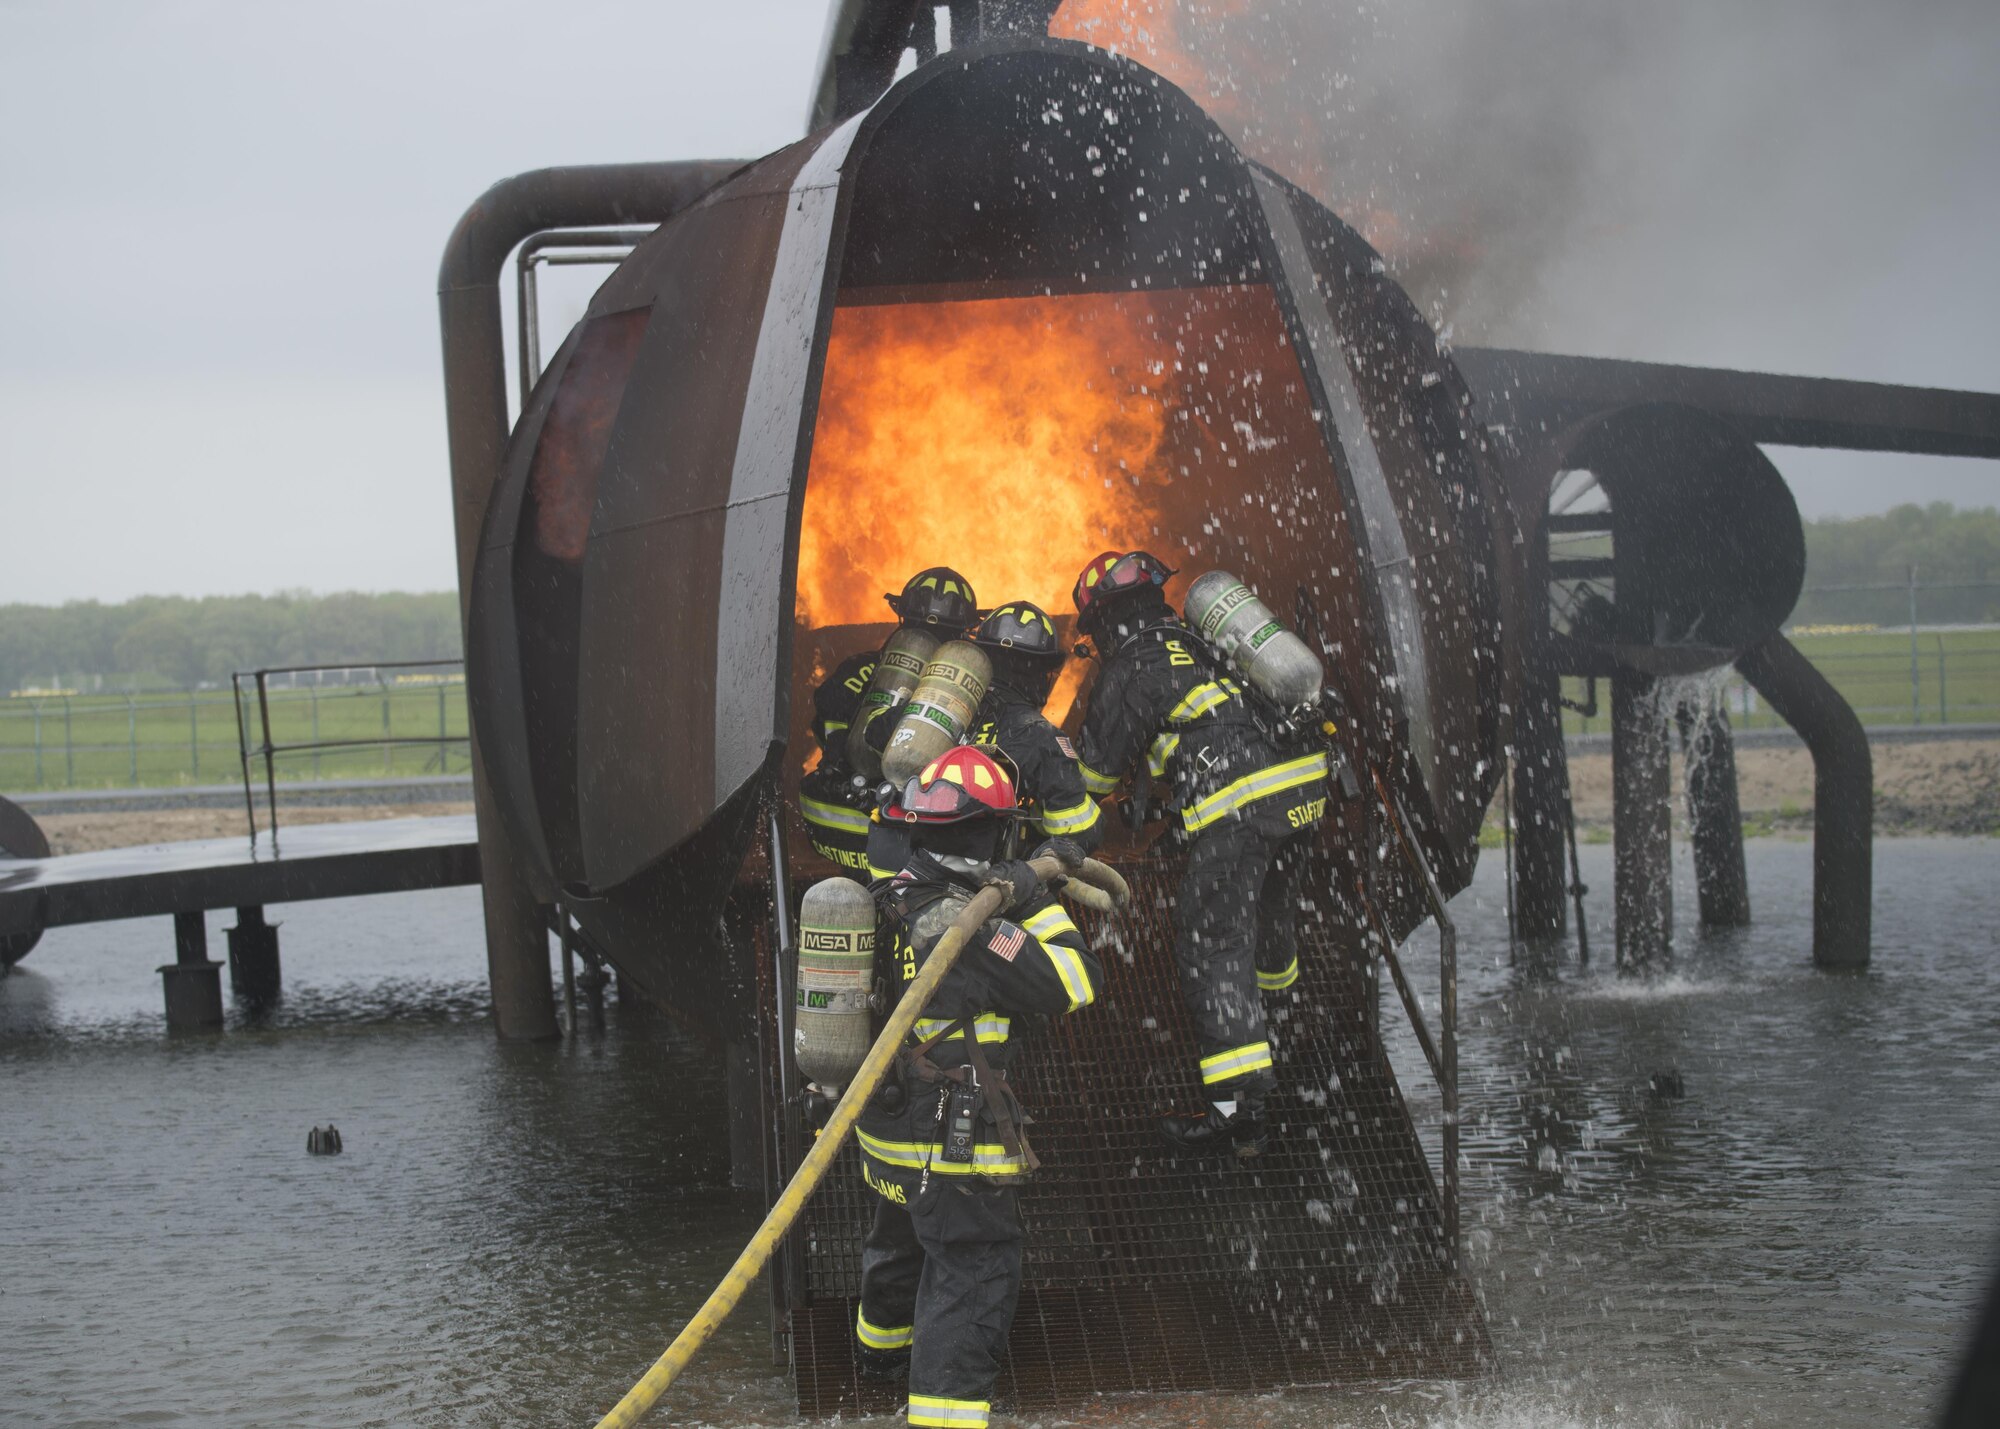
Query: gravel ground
{"x": 1945, "y": 787}
{"x": 124, "y": 828}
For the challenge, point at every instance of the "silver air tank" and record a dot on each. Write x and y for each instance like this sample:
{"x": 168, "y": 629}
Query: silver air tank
{"x": 897, "y": 672}
{"x": 940, "y": 710}
{"x": 1229, "y": 616}
{"x": 831, "y": 1024}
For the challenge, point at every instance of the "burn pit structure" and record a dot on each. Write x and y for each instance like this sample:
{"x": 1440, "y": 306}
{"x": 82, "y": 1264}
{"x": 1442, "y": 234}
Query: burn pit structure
{"x": 640, "y": 682}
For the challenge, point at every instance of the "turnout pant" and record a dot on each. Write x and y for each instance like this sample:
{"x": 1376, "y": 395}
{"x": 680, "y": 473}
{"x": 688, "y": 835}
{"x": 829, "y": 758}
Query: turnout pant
{"x": 942, "y": 1277}
{"x": 1236, "y": 934}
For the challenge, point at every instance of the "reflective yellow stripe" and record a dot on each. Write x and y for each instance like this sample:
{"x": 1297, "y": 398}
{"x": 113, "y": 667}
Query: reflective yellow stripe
{"x": 1050, "y": 921}
{"x": 1253, "y": 1057}
{"x": 1278, "y": 982}
{"x": 1069, "y": 967}
{"x": 875, "y": 872}
{"x": 989, "y": 1158}
{"x": 835, "y": 726}
{"x": 987, "y": 1027}
{"x": 1093, "y": 781}
{"x": 1163, "y": 750}
{"x": 833, "y": 816}
{"x": 1211, "y": 695}
{"x": 1273, "y": 779}
{"x": 1070, "y": 821}
{"x": 877, "y": 1338}
{"x": 930, "y": 1411}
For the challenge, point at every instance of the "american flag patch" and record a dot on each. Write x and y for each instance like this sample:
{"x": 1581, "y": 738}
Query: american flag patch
{"x": 1062, "y": 743}
{"x": 1007, "y": 942}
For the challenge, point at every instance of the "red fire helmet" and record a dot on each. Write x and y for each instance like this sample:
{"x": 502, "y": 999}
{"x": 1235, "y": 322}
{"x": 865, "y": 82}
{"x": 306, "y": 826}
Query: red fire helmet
{"x": 1112, "y": 575}
{"x": 966, "y": 782}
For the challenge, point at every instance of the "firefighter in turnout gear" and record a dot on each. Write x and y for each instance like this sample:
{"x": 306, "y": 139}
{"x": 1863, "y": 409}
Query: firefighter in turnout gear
{"x": 1247, "y": 801}
{"x": 834, "y": 800}
{"x": 1026, "y": 654}
{"x": 937, "y": 601}
{"x": 942, "y": 1145}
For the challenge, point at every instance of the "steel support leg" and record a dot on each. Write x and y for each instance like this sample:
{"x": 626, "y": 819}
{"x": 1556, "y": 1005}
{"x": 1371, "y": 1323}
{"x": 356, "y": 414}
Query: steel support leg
{"x": 192, "y": 981}
{"x": 253, "y": 958}
{"x": 1715, "y": 815}
{"x": 1642, "y": 823}
{"x": 1541, "y": 776}
{"x": 1843, "y": 798}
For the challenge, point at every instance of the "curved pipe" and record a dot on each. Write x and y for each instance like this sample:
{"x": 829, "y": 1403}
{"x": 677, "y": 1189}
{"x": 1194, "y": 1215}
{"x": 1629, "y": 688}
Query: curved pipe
{"x": 475, "y": 400}
{"x": 1843, "y": 797}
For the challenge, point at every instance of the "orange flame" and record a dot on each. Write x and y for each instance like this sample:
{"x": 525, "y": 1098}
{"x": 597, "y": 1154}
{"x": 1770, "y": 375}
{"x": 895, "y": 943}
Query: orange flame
{"x": 1150, "y": 31}
{"x": 1012, "y": 439}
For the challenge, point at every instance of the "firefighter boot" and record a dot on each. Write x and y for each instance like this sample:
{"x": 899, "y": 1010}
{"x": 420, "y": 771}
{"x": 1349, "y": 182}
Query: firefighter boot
{"x": 1236, "y": 1126}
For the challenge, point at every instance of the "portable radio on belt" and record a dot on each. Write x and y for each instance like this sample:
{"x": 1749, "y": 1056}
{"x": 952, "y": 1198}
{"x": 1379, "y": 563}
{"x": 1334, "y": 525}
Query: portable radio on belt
{"x": 961, "y": 1120}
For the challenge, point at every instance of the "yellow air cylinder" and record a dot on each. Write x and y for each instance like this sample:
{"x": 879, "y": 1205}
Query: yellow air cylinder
{"x": 898, "y": 670}
{"x": 1232, "y": 619}
{"x": 836, "y": 970}
{"x": 939, "y": 712}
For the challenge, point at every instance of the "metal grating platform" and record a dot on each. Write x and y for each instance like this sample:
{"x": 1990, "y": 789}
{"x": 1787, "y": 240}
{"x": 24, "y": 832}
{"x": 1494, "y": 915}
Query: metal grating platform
{"x": 1324, "y": 1261}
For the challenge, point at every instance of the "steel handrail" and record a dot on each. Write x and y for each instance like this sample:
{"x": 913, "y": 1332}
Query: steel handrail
{"x": 1442, "y": 1052}
{"x": 269, "y": 750}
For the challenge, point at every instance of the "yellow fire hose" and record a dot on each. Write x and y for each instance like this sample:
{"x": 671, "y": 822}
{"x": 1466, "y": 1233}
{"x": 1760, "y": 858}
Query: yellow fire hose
{"x": 1096, "y": 886}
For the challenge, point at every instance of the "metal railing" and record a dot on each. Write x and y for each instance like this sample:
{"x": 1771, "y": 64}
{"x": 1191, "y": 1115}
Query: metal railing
{"x": 1440, "y": 1051}
{"x": 600, "y": 247}
{"x": 443, "y": 741}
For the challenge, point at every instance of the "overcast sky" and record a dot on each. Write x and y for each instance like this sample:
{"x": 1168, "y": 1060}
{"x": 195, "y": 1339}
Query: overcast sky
{"x": 220, "y": 226}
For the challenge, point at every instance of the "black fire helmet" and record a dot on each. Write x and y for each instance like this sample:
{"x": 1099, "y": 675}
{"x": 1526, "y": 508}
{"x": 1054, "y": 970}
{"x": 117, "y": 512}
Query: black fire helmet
{"x": 837, "y": 698}
{"x": 938, "y": 596}
{"x": 1020, "y": 628}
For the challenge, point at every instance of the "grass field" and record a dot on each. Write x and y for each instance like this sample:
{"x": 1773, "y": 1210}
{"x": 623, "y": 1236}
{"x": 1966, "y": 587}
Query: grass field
{"x": 1957, "y": 680}
{"x": 154, "y": 740}
{"x": 107, "y": 741}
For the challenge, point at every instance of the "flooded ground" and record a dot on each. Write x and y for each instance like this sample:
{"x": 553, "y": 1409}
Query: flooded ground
{"x": 512, "y": 1232}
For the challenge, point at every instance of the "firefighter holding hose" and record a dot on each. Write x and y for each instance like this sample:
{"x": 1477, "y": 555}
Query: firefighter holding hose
{"x": 1246, "y": 800}
{"x": 942, "y": 1145}
{"x": 1024, "y": 656}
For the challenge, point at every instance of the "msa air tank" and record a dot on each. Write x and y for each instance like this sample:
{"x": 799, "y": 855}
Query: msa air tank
{"x": 939, "y": 712}
{"x": 898, "y": 670}
{"x": 831, "y": 1023}
{"x": 1228, "y": 615}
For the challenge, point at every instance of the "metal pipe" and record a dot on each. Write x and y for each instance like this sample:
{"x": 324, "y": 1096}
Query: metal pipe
{"x": 476, "y": 420}
{"x": 1843, "y": 798}
{"x": 270, "y": 770}
{"x": 243, "y": 755}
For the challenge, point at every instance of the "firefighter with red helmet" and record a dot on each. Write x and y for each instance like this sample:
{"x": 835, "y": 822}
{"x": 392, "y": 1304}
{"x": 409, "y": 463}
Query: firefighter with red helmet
{"x": 1246, "y": 799}
{"x": 1026, "y": 655}
{"x": 941, "y": 1144}
{"x": 834, "y": 799}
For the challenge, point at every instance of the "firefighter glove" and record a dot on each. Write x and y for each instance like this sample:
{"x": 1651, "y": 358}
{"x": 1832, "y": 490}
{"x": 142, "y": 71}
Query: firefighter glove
{"x": 1017, "y": 878}
{"x": 1067, "y": 852}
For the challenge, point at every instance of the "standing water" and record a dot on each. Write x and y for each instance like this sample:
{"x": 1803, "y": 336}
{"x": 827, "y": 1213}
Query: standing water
{"x": 512, "y": 1233}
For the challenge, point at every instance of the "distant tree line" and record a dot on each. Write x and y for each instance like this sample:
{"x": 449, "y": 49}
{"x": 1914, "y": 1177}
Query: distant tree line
{"x": 1949, "y": 548}
{"x": 179, "y": 643}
